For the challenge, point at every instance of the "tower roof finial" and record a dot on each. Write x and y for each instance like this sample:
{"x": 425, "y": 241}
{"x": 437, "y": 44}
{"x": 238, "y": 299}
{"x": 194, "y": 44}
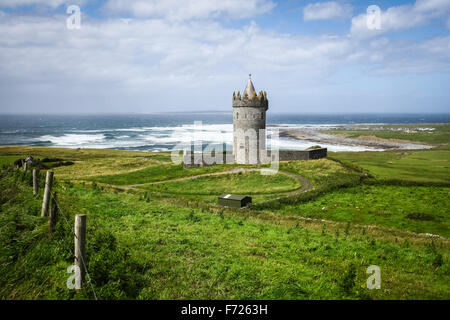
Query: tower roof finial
{"x": 250, "y": 89}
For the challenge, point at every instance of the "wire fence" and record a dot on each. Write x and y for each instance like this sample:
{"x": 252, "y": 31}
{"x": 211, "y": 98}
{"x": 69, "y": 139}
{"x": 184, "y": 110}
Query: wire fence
{"x": 72, "y": 251}
{"x": 67, "y": 222}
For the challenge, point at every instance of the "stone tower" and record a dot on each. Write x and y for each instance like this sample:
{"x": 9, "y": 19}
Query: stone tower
{"x": 249, "y": 124}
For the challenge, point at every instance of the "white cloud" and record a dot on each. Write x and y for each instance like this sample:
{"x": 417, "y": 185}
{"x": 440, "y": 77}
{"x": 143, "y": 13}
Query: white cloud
{"x": 406, "y": 58}
{"x": 146, "y": 51}
{"x": 150, "y": 63}
{"x": 190, "y": 9}
{"x": 432, "y": 5}
{"x": 139, "y": 63}
{"x": 48, "y": 3}
{"x": 327, "y": 11}
{"x": 402, "y": 17}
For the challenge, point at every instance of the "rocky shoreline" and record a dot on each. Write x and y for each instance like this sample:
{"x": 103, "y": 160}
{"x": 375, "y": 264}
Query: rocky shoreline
{"x": 318, "y": 137}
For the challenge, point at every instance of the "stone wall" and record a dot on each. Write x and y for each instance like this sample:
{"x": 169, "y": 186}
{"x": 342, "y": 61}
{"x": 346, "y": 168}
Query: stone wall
{"x": 197, "y": 159}
{"x": 317, "y": 153}
{"x": 288, "y": 155}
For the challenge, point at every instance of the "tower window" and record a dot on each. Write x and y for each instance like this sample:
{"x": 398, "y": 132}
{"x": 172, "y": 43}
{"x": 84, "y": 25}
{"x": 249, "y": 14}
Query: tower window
{"x": 237, "y": 115}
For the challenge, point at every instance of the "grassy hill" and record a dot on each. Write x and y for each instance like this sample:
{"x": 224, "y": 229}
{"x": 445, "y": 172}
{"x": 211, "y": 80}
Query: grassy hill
{"x": 168, "y": 238}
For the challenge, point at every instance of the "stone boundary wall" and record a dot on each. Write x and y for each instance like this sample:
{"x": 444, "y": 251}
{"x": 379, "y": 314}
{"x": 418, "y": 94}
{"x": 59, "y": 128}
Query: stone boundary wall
{"x": 196, "y": 159}
{"x": 288, "y": 155}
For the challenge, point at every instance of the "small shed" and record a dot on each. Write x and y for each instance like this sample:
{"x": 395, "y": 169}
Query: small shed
{"x": 234, "y": 200}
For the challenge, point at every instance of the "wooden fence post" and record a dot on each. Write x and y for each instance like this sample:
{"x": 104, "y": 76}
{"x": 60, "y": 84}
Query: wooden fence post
{"x": 35, "y": 182}
{"x": 53, "y": 214}
{"x": 47, "y": 191}
{"x": 25, "y": 166}
{"x": 80, "y": 249}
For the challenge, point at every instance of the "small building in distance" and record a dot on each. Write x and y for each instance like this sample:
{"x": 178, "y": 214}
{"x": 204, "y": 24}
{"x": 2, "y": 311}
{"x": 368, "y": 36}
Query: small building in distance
{"x": 234, "y": 200}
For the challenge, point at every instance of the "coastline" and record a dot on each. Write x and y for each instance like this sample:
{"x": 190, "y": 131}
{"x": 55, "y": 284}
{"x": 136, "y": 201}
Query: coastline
{"x": 319, "y": 136}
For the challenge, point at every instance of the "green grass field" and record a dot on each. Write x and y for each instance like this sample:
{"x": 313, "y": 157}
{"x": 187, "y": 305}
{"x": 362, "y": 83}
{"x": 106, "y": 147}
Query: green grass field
{"x": 243, "y": 182}
{"x": 171, "y": 240}
{"x": 414, "y": 208}
{"x": 7, "y": 160}
{"x": 420, "y": 166}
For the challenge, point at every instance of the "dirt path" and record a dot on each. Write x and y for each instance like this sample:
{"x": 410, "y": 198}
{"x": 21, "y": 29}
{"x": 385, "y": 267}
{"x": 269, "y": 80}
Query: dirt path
{"x": 306, "y": 185}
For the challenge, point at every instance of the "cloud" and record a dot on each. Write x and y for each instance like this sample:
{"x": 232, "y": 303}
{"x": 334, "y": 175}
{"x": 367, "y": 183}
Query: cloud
{"x": 190, "y": 9}
{"x": 401, "y": 17}
{"x": 327, "y": 11}
{"x": 150, "y": 63}
{"x": 406, "y": 58}
{"x": 432, "y": 5}
{"x": 145, "y": 64}
{"x": 19, "y": 3}
{"x": 136, "y": 51}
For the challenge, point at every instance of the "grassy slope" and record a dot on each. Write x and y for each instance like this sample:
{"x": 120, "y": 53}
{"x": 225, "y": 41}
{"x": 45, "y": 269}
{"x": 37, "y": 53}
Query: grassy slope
{"x": 159, "y": 172}
{"x": 259, "y": 253}
{"x": 421, "y": 166}
{"x": 6, "y": 160}
{"x": 179, "y": 252}
{"x": 388, "y": 206}
{"x": 384, "y": 202}
{"x": 245, "y": 182}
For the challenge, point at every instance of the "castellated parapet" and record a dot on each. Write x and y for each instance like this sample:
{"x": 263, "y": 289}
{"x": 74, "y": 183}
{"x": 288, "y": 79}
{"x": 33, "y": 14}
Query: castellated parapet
{"x": 249, "y": 125}
{"x": 249, "y": 136}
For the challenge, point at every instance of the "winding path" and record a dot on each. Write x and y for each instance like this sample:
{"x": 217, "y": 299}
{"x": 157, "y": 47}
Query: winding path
{"x": 306, "y": 185}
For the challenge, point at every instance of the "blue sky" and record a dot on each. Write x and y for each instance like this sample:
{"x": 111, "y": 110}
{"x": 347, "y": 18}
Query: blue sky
{"x": 173, "y": 55}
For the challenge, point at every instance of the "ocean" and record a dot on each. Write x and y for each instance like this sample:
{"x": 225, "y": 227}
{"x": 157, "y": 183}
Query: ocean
{"x": 168, "y": 131}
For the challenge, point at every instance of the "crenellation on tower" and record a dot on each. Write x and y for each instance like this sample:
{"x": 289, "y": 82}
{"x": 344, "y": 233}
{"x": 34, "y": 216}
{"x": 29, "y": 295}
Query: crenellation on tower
{"x": 249, "y": 136}
{"x": 249, "y": 125}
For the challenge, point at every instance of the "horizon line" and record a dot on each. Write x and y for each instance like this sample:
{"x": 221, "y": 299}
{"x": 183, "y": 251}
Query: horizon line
{"x": 217, "y": 112}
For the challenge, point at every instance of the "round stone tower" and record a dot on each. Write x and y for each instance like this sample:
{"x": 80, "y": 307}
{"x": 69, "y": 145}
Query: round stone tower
{"x": 249, "y": 124}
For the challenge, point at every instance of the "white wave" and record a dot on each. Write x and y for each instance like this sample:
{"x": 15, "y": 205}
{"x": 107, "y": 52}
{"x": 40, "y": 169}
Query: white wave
{"x": 188, "y": 133}
{"x": 180, "y": 137}
{"x": 72, "y": 140}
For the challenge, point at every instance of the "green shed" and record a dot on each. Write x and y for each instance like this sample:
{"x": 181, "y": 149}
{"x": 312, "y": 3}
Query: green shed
{"x": 234, "y": 200}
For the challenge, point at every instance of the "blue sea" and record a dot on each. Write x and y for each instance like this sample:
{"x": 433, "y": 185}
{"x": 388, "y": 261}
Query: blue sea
{"x": 168, "y": 131}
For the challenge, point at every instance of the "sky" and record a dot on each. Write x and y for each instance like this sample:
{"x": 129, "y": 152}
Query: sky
{"x": 145, "y": 56}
